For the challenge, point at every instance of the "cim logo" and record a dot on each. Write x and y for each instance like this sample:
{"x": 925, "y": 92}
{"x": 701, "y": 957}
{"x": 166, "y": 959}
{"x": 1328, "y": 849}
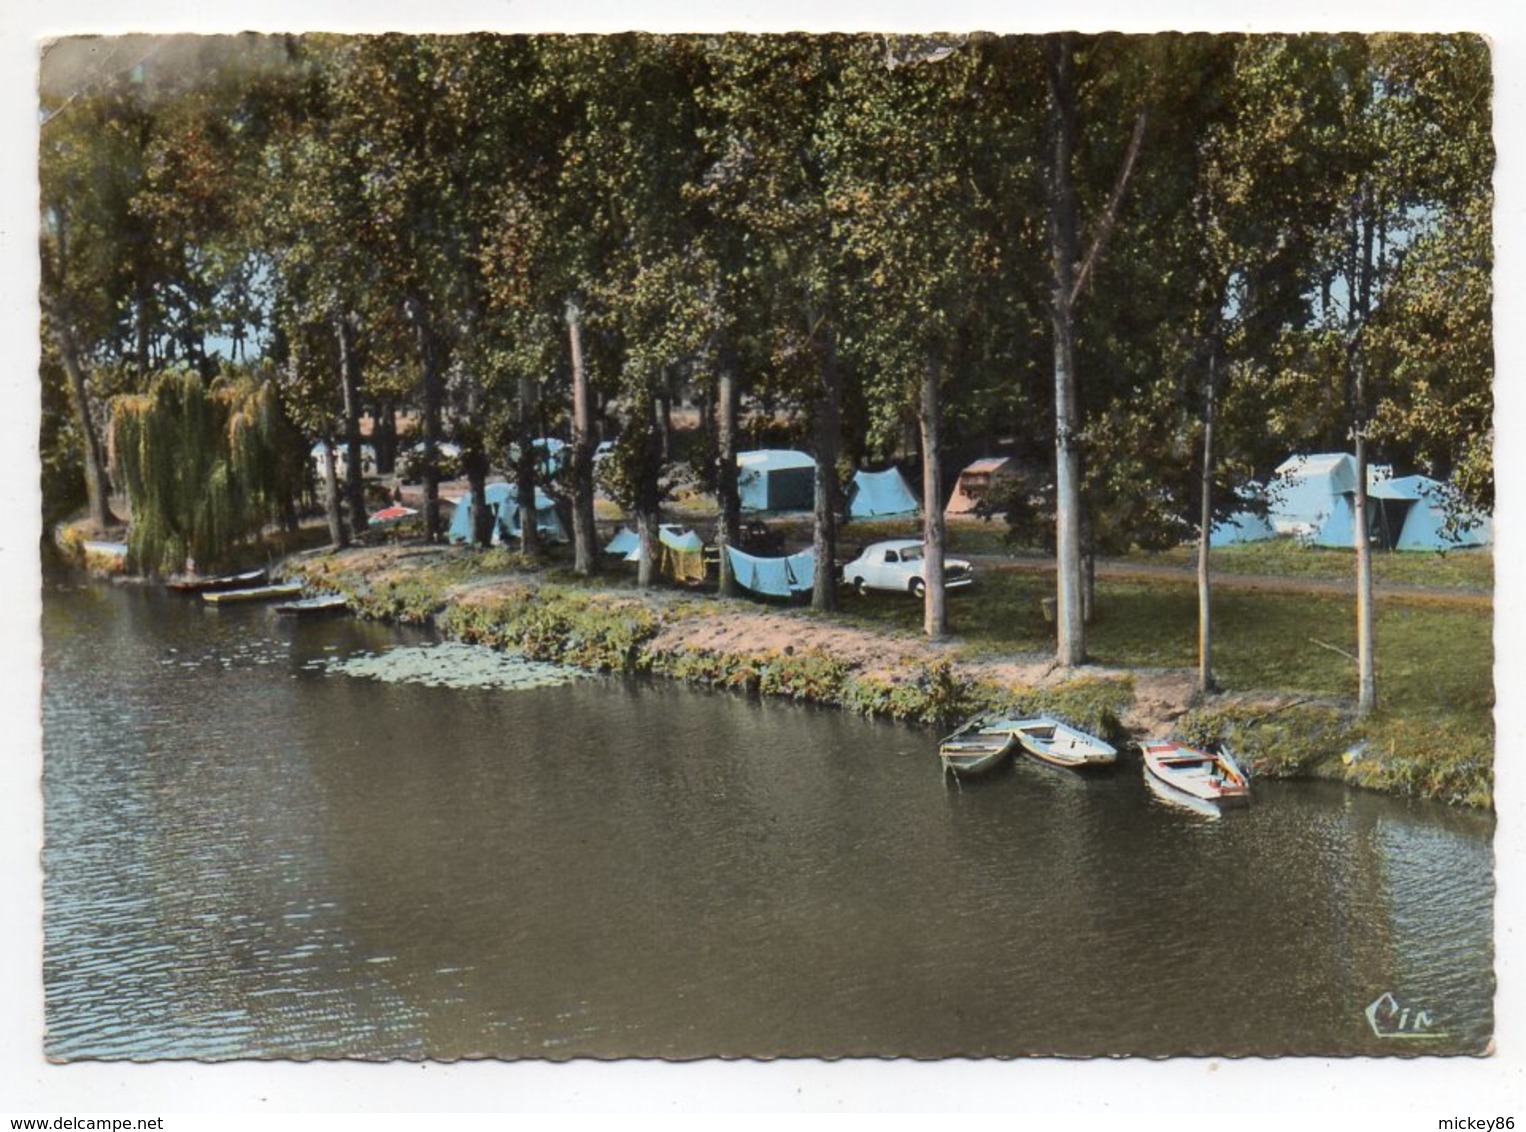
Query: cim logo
{"x": 1390, "y": 1018}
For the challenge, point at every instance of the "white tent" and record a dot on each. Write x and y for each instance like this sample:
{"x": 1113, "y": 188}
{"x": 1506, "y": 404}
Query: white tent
{"x": 774, "y": 479}
{"x": 342, "y": 460}
{"x": 503, "y": 498}
{"x": 877, "y": 494}
{"x": 1307, "y": 489}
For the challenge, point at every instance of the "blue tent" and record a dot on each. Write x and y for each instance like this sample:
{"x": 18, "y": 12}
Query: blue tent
{"x": 879, "y": 494}
{"x": 1405, "y": 513}
{"x": 503, "y": 498}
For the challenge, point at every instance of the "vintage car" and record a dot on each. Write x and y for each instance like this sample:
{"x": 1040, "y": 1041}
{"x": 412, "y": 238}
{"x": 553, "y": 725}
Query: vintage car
{"x": 898, "y": 565}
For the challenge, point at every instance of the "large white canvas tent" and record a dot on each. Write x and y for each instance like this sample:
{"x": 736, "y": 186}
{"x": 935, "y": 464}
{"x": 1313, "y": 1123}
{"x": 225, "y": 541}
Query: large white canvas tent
{"x": 1307, "y": 490}
{"x": 503, "y": 498}
{"x": 879, "y": 494}
{"x": 776, "y": 479}
{"x": 1407, "y": 513}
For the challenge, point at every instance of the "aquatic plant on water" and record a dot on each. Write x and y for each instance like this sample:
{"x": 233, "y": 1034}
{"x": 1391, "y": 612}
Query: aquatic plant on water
{"x": 451, "y": 664}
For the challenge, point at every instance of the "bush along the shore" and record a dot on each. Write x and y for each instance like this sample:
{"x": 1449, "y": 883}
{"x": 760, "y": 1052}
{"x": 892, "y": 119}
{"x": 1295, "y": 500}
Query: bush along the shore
{"x": 610, "y": 632}
{"x": 550, "y": 624}
{"x": 1325, "y": 741}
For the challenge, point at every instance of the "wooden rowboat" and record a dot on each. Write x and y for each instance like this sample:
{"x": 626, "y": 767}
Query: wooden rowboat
{"x": 313, "y": 606}
{"x": 971, "y": 751}
{"x": 215, "y": 585}
{"x": 1208, "y": 776}
{"x": 1057, "y": 743}
{"x": 258, "y": 593}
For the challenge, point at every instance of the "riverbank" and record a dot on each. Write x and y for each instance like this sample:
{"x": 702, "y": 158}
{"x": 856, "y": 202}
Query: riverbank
{"x": 605, "y": 624}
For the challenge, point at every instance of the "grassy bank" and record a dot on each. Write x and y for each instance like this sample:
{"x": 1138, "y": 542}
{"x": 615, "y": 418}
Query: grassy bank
{"x": 1279, "y": 655}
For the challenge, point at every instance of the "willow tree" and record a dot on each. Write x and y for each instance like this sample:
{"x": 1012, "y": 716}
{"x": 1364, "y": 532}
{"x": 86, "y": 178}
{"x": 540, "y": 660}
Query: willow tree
{"x": 205, "y": 467}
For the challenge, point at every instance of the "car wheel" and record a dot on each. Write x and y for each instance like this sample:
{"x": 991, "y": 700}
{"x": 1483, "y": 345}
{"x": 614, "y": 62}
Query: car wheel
{"x": 863, "y": 590}
{"x": 918, "y": 588}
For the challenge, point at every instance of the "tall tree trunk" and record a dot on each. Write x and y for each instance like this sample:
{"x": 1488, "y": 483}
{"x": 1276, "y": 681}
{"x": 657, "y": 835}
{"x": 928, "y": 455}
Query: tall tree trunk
{"x": 929, "y": 422}
{"x": 584, "y": 550}
{"x": 1205, "y": 682}
{"x": 650, "y": 548}
{"x": 92, "y": 453}
{"x": 1366, "y": 645}
{"x": 349, "y": 383}
{"x": 1064, "y": 244}
{"x": 384, "y": 437}
{"x": 824, "y": 539}
{"x": 730, "y": 529}
{"x": 483, "y": 519}
{"x": 524, "y": 471}
{"x": 430, "y": 360}
{"x": 337, "y": 536}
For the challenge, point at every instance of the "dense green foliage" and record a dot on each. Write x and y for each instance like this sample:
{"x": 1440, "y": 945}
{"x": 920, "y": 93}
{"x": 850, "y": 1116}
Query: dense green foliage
{"x": 206, "y": 468}
{"x": 1090, "y": 252}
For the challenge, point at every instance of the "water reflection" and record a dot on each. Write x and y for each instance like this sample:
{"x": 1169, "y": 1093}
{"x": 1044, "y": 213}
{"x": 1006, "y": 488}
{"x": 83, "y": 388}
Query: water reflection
{"x": 256, "y": 859}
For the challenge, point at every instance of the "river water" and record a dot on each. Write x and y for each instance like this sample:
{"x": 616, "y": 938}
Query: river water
{"x": 247, "y": 856}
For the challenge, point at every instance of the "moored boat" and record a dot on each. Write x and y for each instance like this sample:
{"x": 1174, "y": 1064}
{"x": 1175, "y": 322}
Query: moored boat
{"x": 1208, "y": 776}
{"x": 256, "y": 593}
{"x": 312, "y": 606}
{"x": 971, "y": 751}
{"x": 1056, "y": 743}
{"x": 217, "y": 584}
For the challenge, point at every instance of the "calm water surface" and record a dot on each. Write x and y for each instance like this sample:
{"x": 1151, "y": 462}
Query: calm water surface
{"x": 249, "y": 858}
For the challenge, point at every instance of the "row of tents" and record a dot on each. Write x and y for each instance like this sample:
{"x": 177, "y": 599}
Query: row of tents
{"x": 776, "y": 479}
{"x": 1313, "y": 498}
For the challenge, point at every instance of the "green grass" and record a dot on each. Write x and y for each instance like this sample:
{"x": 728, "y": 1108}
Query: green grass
{"x": 1431, "y": 656}
{"x": 1459, "y": 569}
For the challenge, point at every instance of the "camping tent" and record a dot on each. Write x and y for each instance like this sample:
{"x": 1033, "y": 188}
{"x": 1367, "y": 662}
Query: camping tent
{"x": 627, "y": 543}
{"x": 1407, "y": 513}
{"x": 877, "y": 494}
{"x": 1425, "y": 525}
{"x": 503, "y": 498}
{"x": 774, "y": 479}
{"x": 342, "y": 460}
{"x": 1242, "y": 526}
{"x": 974, "y": 482}
{"x": 1307, "y": 490}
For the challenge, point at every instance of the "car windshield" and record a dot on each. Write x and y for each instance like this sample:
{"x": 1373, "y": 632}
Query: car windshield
{"x": 911, "y": 554}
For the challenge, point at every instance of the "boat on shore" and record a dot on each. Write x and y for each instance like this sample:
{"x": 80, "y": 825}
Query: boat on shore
{"x": 256, "y": 593}
{"x": 970, "y": 750}
{"x": 313, "y": 606}
{"x": 217, "y": 584}
{"x": 1056, "y": 743}
{"x": 1211, "y": 777}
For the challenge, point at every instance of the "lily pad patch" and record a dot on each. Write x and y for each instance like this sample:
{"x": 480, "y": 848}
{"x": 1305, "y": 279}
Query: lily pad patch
{"x": 451, "y": 665}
